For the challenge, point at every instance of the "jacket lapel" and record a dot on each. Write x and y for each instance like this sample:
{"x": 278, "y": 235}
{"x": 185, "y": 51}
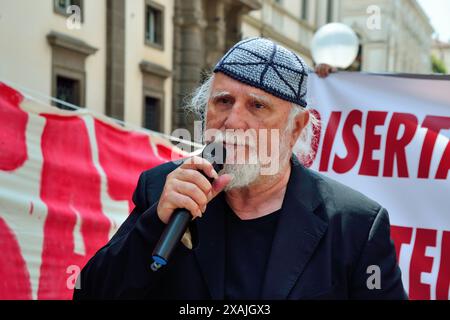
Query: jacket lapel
{"x": 210, "y": 251}
{"x": 298, "y": 233}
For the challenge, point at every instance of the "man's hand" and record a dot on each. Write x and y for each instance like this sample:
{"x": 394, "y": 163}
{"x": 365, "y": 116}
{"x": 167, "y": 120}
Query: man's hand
{"x": 323, "y": 70}
{"x": 186, "y": 187}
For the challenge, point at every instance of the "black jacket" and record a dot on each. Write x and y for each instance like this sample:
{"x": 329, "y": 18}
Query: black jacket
{"x": 327, "y": 237}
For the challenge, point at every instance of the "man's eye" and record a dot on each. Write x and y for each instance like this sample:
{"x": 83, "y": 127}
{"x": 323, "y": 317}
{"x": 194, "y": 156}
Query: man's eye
{"x": 259, "y": 105}
{"x": 224, "y": 101}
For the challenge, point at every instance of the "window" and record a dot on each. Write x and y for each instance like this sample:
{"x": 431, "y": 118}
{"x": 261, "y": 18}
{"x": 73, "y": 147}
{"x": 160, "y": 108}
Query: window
{"x": 154, "y": 77}
{"x": 62, "y": 5}
{"x": 152, "y": 114}
{"x": 154, "y": 25}
{"x": 67, "y": 90}
{"x": 329, "y": 11}
{"x": 68, "y": 67}
{"x": 305, "y": 8}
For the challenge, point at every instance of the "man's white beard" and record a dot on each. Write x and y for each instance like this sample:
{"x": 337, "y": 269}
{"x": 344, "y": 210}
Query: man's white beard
{"x": 246, "y": 174}
{"x": 243, "y": 174}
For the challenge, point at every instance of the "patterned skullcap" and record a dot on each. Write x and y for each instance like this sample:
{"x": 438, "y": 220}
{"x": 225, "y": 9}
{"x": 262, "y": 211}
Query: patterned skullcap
{"x": 263, "y": 64}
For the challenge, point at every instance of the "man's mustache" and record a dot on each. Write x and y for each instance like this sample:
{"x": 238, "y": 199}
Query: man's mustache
{"x": 235, "y": 139}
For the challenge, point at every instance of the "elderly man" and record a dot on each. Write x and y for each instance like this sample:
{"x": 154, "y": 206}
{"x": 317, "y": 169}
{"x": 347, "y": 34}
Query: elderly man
{"x": 290, "y": 234}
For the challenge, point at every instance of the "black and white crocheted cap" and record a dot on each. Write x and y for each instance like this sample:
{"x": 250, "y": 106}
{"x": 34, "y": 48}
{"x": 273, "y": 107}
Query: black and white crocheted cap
{"x": 263, "y": 64}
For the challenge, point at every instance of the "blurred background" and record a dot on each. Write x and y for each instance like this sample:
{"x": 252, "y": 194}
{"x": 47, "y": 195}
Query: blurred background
{"x": 66, "y": 178}
{"x": 136, "y": 60}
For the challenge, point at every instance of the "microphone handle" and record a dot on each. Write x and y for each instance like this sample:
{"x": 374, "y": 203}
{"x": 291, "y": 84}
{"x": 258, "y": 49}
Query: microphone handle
{"x": 179, "y": 221}
{"x": 170, "y": 238}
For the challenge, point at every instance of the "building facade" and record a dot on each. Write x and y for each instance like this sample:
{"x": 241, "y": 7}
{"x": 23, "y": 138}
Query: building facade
{"x": 131, "y": 60}
{"x": 138, "y": 60}
{"x": 112, "y": 56}
{"x": 203, "y": 31}
{"x": 292, "y": 23}
{"x": 40, "y": 52}
{"x": 395, "y": 35}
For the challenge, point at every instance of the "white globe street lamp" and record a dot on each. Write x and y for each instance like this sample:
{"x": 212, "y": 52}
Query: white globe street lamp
{"x": 335, "y": 44}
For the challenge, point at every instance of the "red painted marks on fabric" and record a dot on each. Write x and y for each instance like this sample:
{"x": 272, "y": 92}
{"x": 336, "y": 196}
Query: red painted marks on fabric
{"x": 13, "y": 121}
{"x": 15, "y": 279}
{"x": 70, "y": 187}
{"x": 123, "y": 156}
{"x": 168, "y": 154}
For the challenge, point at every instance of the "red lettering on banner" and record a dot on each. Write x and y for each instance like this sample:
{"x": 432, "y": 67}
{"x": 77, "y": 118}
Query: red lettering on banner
{"x": 443, "y": 279}
{"x": 15, "y": 279}
{"x": 13, "y": 122}
{"x": 342, "y": 165}
{"x": 400, "y": 236}
{"x": 372, "y": 142}
{"x": 434, "y": 124}
{"x": 123, "y": 156}
{"x": 396, "y": 148}
{"x": 444, "y": 165}
{"x": 421, "y": 263}
{"x": 330, "y": 133}
{"x": 70, "y": 187}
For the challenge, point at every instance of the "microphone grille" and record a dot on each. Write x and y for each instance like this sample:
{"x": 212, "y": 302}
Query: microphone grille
{"x": 215, "y": 153}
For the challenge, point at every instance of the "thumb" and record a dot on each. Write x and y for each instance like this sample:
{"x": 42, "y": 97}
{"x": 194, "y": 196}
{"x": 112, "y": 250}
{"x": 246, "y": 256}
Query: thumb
{"x": 220, "y": 183}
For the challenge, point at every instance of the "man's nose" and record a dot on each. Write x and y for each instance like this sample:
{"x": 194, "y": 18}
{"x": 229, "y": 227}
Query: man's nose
{"x": 237, "y": 117}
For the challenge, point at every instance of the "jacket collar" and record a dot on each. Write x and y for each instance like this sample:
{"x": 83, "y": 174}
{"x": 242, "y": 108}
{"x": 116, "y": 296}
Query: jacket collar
{"x": 210, "y": 249}
{"x": 297, "y": 235}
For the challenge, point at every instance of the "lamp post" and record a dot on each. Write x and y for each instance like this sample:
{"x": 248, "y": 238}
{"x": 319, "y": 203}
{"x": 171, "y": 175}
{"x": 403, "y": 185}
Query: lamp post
{"x": 335, "y": 44}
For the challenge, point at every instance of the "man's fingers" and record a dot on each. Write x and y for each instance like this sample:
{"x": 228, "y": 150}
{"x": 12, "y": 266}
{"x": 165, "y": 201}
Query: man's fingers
{"x": 187, "y": 203}
{"x": 193, "y": 191}
{"x": 323, "y": 70}
{"x": 200, "y": 198}
{"x": 189, "y": 195}
{"x": 195, "y": 177}
{"x": 219, "y": 184}
{"x": 199, "y": 163}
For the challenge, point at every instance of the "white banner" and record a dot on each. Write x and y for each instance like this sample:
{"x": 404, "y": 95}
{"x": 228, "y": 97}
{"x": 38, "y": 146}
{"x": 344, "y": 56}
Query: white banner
{"x": 388, "y": 137}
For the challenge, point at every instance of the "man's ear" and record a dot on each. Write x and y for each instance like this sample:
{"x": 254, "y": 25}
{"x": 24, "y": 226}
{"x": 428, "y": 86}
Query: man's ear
{"x": 300, "y": 122}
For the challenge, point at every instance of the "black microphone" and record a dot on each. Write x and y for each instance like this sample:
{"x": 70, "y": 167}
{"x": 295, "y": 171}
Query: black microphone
{"x": 215, "y": 153}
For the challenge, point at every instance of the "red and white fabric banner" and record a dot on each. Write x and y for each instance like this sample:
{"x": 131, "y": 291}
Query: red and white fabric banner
{"x": 66, "y": 182}
{"x": 66, "y": 178}
{"x": 388, "y": 137}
